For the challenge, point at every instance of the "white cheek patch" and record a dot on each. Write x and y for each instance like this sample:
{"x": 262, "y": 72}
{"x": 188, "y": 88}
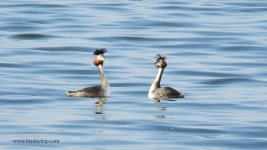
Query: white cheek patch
{"x": 101, "y": 57}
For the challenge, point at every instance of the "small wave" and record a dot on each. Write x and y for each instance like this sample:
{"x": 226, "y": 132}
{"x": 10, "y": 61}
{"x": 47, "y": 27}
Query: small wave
{"x": 20, "y": 101}
{"x": 205, "y": 73}
{"x": 244, "y": 48}
{"x": 197, "y": 130}
{"x": 16, "y": 28}
{"x": 67, "y": 48}
{"x": 128, "y": 84}
{"x": 228, "y": 81}
{"x": 31, "y": 36}
{"x": 9, "y": 65}
{"x": 36, "y": 6}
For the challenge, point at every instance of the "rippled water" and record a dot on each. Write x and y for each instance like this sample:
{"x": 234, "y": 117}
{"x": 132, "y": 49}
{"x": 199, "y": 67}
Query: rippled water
{"x": 216, "y": 53}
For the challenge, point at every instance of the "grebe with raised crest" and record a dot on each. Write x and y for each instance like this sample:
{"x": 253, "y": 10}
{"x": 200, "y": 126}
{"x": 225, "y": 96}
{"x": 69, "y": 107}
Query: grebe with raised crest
{"x": 158, "y": 92}
{"x": 101, "y": 90}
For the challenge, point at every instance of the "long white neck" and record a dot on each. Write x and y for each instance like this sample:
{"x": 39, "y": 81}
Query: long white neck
{"x": 156, "y": 83}
{"x": 104, "y": 81}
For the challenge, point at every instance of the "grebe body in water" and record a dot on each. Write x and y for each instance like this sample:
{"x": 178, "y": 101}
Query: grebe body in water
{"x": 158, "y": 92}
{"x": 101, "y": 90}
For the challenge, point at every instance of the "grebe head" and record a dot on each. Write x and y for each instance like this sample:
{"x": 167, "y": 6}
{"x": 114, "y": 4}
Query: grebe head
{"x": 160, "y": 61}
{"x": 99, "y": 58}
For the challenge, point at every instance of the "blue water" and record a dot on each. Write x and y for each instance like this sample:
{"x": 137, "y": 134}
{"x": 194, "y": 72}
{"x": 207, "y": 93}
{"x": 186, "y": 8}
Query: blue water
{"x": 216, "y": 53}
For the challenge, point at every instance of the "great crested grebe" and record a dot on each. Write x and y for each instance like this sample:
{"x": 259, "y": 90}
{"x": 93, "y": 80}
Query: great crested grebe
{"x": 157, "y": 92}
{"x": 101, "y": 90}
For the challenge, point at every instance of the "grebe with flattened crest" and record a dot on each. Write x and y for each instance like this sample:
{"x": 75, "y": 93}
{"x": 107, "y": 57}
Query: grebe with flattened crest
{"x": 101, "y": 90}
{"x": 158, "y": 92}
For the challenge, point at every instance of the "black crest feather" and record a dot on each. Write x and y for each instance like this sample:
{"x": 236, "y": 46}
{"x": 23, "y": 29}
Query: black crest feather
{"x": 100, "y": 51}
{"x": 159, "y": 57}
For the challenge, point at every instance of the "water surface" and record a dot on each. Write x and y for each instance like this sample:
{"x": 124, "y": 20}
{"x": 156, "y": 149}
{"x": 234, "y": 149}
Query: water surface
{"x": 216, "y": 53}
